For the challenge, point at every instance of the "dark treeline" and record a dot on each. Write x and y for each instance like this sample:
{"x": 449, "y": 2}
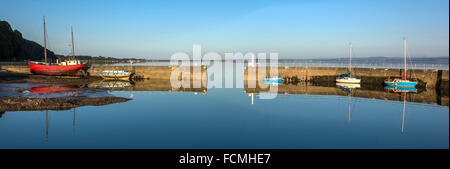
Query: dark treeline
{"x": 13, "y": 47}
{"x": 101, "y": 59}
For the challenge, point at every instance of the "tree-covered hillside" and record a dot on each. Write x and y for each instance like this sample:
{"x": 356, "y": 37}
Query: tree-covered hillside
{"x": 13, "y": 47}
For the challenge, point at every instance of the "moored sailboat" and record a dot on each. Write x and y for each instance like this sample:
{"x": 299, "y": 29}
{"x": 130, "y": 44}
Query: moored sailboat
{"x": 347, "y": 77}
{"x": 402, "y": 81}
{"x": 70, "y": 67}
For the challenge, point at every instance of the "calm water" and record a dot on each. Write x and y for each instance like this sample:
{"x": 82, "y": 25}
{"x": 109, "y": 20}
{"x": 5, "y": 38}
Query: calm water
{"x": 226, "y": 118}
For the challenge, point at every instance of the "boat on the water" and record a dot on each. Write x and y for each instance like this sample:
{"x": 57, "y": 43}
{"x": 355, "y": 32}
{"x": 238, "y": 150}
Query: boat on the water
{"x": 115, "y": 74}
{"x": 400, "y": 80}
{"x": 347, "y": 77}
{"x": 69, "y": 67}
{"x": 273, "y": 80}
{"x": 348, "y": 80}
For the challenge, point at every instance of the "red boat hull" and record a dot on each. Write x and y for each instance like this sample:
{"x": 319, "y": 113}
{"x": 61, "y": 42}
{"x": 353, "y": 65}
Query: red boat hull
{"x": 54, "y": 69}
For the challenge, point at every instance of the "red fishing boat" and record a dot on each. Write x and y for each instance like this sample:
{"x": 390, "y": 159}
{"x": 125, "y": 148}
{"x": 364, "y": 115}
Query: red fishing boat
{"x": 69, "y": 67}
{"x": 57, "y": 69}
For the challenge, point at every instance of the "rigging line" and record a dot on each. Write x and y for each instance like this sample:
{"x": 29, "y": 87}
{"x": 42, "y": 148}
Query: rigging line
{"x": 410, "y": 62}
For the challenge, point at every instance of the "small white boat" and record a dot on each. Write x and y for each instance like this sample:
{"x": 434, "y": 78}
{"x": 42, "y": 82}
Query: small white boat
{"x": 115, "y": 74}
{"x": 346, "y": 78}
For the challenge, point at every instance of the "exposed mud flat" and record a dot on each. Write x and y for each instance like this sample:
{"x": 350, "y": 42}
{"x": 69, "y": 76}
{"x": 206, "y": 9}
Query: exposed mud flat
{"x": 61, "y": 103}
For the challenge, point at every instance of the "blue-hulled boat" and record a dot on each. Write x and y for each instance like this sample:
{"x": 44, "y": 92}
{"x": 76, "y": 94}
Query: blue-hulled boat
{"x": 273, "y": 80}
{"x": 398, "y": 81}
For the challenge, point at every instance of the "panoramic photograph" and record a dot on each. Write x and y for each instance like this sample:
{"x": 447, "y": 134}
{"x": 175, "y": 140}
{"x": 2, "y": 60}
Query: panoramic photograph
{"x": 229, "y": 75}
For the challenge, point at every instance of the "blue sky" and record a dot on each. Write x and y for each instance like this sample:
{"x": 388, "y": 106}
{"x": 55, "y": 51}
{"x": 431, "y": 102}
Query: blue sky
{"x": 294, "y": 29}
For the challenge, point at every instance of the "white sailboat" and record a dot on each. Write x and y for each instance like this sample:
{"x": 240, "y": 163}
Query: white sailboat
{"x": 347, "y": 77}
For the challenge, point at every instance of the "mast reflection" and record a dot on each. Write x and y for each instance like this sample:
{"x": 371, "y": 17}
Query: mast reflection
{"x": 347, "y": 87}
{"x": 402, "y": 92}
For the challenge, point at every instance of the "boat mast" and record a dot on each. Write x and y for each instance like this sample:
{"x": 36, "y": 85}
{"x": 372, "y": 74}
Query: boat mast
{"x": 404, "y": 56}
{"x": 45, "y": 44}
{"x": 350, "y": 64}
{"x": 73, "y": 48}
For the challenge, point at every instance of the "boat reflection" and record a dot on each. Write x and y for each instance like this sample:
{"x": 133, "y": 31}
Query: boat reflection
{"x": 348, "y": 87}
{"x": 46, "y": 124}
{"x": 162, "y": 85}
{"x": 402, "y": 93}
{"x": 403, "y": 113}
{"x": 115, "y": 84}
{"x": 380, "y": 92}
{"x": 54, "y": 88}
{"x": 400, "y": 89}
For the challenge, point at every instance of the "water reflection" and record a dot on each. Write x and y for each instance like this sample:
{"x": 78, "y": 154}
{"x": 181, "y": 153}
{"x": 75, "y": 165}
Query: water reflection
{"x": 32, "y": 96}
{"x": 373, "y": 92}
{"x": 111, "y": 84}
{"x": 309, "y": 115}
{"x": 144, "y": 85}
{"x": 403, "y": 114}
{"x": 101, "y": 88}
{"x": 347, "y": 87}
{"x": 53, "y": 88}
{"x": 402, "y": 92}
{"x": 47, "y": 120}
{"x": 56, "y": 96}
{"x": 398, "y": 89}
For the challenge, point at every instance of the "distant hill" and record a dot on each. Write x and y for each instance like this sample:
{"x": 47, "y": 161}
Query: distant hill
{"x": 102, "y": 59}
{"x": 13, "y": 47}
{"x": 377, "y": 60}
